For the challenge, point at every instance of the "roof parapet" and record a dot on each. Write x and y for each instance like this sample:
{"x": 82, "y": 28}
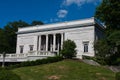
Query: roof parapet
{"x": 56, "y": 25}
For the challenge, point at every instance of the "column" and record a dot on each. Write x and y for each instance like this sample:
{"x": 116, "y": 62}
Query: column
{"x": 62, "y": 40}
{"x": 39, "y": 43}
{"x": 51, "y": 43}
{"x": 54, "y": 41}
{"x": 46, "y": 42}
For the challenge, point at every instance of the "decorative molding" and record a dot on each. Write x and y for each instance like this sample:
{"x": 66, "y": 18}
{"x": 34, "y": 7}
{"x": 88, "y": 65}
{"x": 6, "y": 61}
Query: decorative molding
{"x": 57, "y": 28}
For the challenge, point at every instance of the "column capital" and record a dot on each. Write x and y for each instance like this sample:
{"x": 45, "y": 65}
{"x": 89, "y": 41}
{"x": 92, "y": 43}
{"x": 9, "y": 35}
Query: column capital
{"x": 54, "y": 33}
{"x": 46, "y": 34}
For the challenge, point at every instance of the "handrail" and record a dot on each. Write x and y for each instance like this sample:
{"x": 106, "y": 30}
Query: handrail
{"x": 33, "y": 53}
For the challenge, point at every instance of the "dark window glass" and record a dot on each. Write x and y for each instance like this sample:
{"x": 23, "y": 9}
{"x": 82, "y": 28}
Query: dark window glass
{"x": 85, "y": 46}
{"x": 31, "y": 47}
{"x": 21, "y": 49}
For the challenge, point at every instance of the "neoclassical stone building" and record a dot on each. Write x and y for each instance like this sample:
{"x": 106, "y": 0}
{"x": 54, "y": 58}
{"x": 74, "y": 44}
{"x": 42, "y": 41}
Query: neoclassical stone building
{"x": 41, "y": 41}
{"x": 48, "y": 39}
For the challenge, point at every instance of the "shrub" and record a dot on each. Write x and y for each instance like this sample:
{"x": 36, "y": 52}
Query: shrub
{"x": 117, "y": 76}
{"x": 114, "y": 59}
{"x": 102, "y": 51}
{"x": 37, "y": 62}
{"x": 107, "y": 50}
{"x": 97, "y": 59}
{"x": 8, "y": 75}
{"x": 68, "y": 50}
{"x": 86, "y": 57}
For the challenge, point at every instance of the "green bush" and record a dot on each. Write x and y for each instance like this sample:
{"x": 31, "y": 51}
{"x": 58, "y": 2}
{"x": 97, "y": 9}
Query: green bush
{"x": 99, "y": 60}
{"x": 8, "y": 75}
{"x": 87, "y": 57}
{"x": 114, "y": 59}
{"x": 117, "y": 76}
{"x": 37, "y": 62}
{"x": 107, "y": 50}
{"x": 68, "y": 50}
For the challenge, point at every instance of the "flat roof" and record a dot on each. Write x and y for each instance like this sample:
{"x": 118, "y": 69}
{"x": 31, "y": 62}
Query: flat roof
{"x": 58, "y": 26}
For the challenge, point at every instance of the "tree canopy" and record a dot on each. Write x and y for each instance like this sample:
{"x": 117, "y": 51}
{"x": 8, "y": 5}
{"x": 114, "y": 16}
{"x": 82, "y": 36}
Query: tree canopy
{"x": 108, "y": 50}
{"x": 36, "y": 23}
{"x": 8, "y": 36}
{"x": 109, "y": 13}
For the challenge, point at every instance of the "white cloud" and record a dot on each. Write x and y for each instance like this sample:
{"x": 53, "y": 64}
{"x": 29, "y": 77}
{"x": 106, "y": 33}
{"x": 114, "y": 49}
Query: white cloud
{"x": 78, "y": 2}
{"x": 62, "y": 13}
{"x": 69, "y": 2}
{"x": 55, "y": 20}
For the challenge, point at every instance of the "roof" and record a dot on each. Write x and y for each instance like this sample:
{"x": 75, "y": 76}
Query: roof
{"x": 59, "y": 26}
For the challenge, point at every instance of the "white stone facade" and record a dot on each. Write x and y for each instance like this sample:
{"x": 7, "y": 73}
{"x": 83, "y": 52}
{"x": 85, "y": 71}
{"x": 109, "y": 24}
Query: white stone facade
{"x": 50, "y": 37}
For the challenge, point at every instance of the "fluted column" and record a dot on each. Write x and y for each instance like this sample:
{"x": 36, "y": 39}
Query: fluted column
{"x": 46, "y": 42}
{"x": 54, "y": 41}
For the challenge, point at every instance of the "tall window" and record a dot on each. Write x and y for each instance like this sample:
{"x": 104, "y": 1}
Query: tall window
{"x": 85, "y": 46}
{"x": 21, "y": 49}
{"x": 31, "y": 47}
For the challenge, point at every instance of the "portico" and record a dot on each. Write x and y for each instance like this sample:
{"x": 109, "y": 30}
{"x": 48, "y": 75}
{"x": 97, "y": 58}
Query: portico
{"x": 50, "y": 42}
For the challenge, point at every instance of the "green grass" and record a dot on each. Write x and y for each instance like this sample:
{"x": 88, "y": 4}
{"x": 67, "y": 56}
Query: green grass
{"x": 65, "y": 70}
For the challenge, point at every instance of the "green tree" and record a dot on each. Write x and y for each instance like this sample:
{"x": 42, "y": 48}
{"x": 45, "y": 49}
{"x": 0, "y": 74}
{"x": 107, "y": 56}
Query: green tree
{"x": 68, "y": 50}
{"x": 109, "y": 13}
{"x": 114, "y": 40}
{"x": 102, "y": 50}
{"x": 101, "y": 46}
{"x": 108, "y": 49}
{"x": 3, "y": 41}
{"x": 36, "y": 23}
{"x": 8, "y": 36}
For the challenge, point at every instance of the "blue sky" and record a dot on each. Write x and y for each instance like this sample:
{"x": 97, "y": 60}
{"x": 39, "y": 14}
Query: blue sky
{"x": 47, "y": 11}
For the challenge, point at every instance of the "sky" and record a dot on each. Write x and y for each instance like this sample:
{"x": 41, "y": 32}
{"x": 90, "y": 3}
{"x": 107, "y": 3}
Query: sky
{"x": 47, "y": 11}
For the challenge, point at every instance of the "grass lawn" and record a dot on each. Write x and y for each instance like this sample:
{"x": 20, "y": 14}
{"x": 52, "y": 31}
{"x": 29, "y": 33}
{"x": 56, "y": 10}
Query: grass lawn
{"x": 65, "y": 70}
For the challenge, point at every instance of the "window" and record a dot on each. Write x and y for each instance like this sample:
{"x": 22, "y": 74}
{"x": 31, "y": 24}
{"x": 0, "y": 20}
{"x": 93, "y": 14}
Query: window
{"x": 21, "y": 49}
{"x": 31, "y": 47}
{"x": 85, "y": 46}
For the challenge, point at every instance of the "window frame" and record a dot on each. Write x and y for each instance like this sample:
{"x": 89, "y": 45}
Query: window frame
{"x": 31, "y": 47}
{"x": 21, "y": 48}
{"x": 85, "y": 46}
